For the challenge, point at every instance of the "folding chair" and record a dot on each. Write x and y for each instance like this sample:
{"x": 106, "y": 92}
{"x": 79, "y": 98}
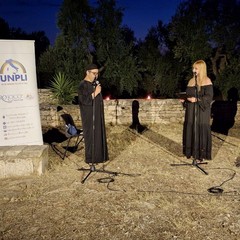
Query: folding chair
{"x": 71, "y": 131}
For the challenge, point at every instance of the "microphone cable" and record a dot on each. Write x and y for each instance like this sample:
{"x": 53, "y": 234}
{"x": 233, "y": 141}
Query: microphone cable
{"x": 219, "y": 189}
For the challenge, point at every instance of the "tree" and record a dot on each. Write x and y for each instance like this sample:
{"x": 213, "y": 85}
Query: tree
{"x": 73, "y": 48}
{"x": 158, "y": 67}
{"x": 224, "y": 32}
{"x": 94, "y": 35}
{"x": 208, "y": 30}
{"x": 113, "y": 46}
{"x": 41, "y": 41}
{"x": 46, "y": 67}
{"x": 148, "y": 58}
{"x": 187, "y": 33}
{"x": 230, "y": 77}
{"x": 5, "y": 30}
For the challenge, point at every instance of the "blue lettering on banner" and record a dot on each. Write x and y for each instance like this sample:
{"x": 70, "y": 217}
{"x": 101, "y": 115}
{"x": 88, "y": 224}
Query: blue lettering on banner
{"x": 13, "y": 78}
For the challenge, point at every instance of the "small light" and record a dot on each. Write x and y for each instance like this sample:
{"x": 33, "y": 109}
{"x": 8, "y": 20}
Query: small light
{"x": 149, "y": 97}
{"x": 107, "y": 98}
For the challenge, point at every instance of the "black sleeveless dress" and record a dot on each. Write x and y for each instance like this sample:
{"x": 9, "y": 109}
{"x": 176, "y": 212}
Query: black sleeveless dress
{"x": 198, "y": 132}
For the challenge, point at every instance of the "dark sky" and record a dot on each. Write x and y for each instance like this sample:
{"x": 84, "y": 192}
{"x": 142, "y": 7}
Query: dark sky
{"x": 40, "y": 15}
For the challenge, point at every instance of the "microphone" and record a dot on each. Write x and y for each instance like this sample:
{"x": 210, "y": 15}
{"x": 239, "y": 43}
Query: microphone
{"x": 194, "y": 73}
{"x": 95, "y": 82}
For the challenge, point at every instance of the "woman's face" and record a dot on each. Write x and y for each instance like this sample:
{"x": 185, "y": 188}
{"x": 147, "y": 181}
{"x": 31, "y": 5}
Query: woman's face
{"x": 195, "y": 70}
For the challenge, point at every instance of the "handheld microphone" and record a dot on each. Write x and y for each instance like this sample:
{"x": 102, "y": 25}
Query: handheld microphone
{"x": 194, "y": 73}
{"x": 95, "y": 82}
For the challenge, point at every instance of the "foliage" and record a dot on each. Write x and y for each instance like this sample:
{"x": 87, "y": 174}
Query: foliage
{"x": 159, "y": 68}
{"x": 166, "y": 77}
{"x": 94, "y": 34}
{"x": 113, "y": 49}
{"x": 187, "y": 32}
{"x": 63, "y": 89}
{"x": 230, "y": 78}
{"x": 41, "y": 41}
{"x": 5, "y": 30}
{"x": 205, "y": 30}
{"x": 47, "y": 61}
{"x": 73, "y": 46}
{"x": 161, "y": 63}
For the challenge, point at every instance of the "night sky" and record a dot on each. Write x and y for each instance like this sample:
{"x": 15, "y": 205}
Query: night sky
{"x": 41, "y": 15}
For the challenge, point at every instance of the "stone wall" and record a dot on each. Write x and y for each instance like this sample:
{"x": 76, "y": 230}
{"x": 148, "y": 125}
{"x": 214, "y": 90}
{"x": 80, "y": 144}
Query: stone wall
{"x": 46, "y": 96}
{"x": 117, "y": 111}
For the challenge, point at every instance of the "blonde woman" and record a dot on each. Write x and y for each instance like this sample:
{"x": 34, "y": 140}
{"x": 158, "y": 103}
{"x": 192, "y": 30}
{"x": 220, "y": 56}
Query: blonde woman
{"x": 197, "y": 142}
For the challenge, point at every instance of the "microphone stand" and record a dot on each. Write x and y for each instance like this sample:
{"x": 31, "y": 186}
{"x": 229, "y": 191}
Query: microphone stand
{"x": 196, "y": 117}
{"x": 196, "y": 111}
{"x": 92, "y": 165}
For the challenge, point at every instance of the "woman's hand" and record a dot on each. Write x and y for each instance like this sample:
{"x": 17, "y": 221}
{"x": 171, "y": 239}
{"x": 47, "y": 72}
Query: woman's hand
{"x": 192, "y": 99}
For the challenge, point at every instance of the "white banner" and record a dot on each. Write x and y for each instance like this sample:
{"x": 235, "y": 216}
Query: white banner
{"x": 19, "y": 108}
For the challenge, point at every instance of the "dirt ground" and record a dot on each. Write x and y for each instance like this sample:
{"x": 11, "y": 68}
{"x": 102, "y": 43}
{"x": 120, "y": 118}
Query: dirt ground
{"x": 149, "y": 194}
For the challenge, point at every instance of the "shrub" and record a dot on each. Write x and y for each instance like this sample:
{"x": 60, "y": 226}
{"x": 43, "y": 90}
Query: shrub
{"x": 63, "y": 88}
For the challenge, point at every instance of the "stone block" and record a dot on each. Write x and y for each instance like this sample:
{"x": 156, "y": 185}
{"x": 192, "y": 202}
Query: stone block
{"x": 18, "y": 167}
{"x": 23, "y": 160}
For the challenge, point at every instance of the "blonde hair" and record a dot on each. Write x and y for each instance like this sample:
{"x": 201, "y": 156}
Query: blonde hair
{"x": 202, "y": 71}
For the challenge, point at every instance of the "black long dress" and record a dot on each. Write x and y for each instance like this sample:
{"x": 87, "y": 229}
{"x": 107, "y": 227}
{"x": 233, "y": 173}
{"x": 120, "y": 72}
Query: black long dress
{"x": 87, "y": 104}
{"x": 203, "y": 130}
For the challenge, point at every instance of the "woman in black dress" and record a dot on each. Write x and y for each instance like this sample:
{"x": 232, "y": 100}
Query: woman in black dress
{"x": 197, "y": 141}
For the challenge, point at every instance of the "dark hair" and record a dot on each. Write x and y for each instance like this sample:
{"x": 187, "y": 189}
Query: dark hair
{"x": 91, "y": 66}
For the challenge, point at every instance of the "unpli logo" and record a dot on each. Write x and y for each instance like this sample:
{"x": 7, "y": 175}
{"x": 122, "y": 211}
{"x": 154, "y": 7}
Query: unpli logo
{"x": 12, "y": 71}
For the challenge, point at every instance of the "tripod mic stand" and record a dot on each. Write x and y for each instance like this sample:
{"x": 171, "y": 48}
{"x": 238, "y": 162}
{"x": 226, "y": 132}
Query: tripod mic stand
{"x": 195, "y": 163}
{"x": 92, "y": 168}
